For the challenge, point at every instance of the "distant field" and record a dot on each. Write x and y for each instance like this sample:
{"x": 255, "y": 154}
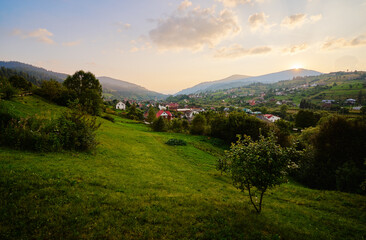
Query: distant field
{"x": 134, "y": 186}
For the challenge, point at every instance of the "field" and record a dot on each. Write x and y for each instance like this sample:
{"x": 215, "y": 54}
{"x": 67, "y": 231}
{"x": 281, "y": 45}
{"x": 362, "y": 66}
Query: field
{"x": 134, "y": 186}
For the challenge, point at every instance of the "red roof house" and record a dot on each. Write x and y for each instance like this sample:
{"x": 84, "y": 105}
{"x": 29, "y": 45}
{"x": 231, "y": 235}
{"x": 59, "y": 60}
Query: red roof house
{"x": 164, "y": 114}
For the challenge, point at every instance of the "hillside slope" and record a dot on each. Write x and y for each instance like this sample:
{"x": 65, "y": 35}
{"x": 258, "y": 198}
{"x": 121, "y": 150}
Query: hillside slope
{"x": 134, "y": 186}
{"x": 112, "y": 88}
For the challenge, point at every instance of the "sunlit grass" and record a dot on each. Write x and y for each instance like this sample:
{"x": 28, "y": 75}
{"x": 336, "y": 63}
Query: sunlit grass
{"x": 134, "y": 186}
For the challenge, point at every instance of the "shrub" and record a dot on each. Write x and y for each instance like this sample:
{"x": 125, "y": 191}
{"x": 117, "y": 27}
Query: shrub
{"x": 176, "y": 142}
{"x": 336, "y": 158}
{"x": 72, "y": 131}
{"x": 108, "y": 117}
{"x": 158, "y": 125}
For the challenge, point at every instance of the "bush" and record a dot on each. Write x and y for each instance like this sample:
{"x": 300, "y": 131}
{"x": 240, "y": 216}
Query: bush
{"x": 176, "y": 142}
{"x": 336, "y": 155}
{"x": 72, "y": 131}
{"x": 158, "y": 125}
{"x": 108, "y": 117}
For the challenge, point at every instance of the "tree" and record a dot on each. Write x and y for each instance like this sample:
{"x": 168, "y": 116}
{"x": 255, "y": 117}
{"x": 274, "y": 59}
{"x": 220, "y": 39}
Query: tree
{"x": 158, "y": 125}
{"x": 87, "y": 89}
{"x": 134, "y": 113}
{"x": 339, "y": 155}
{"x": 305, "y": 119}
{"x": 151, "y": 115}
{"x": 257, "y": 165}
{"x": 20, "y": 83}
{"x": 50, "y": 90}
{"x": 198, "y": 124}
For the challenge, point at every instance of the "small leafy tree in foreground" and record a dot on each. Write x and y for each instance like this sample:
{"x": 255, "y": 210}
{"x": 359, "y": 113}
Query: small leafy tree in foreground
{"x": 257, "y": 165}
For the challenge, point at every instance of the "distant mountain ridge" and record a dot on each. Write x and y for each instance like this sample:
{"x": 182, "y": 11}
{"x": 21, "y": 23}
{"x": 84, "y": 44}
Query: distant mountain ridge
{"x": 205, "y": 85}
{"x": 233, "y": 82}
{"x": 112, "y": 88}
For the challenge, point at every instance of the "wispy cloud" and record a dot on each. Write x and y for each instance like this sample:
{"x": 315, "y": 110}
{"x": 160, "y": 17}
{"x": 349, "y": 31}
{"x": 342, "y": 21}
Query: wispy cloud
{"x": 71, "y": 44}
{"x": 297, "y": 20}
{"x": 194, "y": 28}
{"x": 234, "y": 3}
{"x": 41, "y": 35}
{"x": 122, "y": 26}
{"x": 259, "y": 21}
{"x": 140, "y": 44}
{"x": 236, "y": 51}
{"x": 336, "y": 43}
{"x": 184, "y": 5}
{"x": 295, "y": 48}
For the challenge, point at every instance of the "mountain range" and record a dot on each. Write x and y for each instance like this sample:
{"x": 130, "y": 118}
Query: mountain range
{"x": 242, "y": 80}
{"x": 112, "y": 88}
{"x": 118, "y": 89}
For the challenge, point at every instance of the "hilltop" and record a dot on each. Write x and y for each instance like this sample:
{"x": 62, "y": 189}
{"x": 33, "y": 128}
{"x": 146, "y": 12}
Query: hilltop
{"x": 112, "y": 88}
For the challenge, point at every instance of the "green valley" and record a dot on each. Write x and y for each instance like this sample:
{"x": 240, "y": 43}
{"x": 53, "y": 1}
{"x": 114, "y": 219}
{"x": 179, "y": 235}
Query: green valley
{"x": 134, "y": 186}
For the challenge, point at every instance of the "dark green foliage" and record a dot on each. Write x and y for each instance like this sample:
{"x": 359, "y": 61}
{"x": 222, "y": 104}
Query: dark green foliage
{"x": 77, "y": 130}
{"x": 159, "y": 125}
{"x": 56, "y": 92}
{"x": 108, "y": 117}
{"x": 337, "y": 157}
{"x": 151, "y": 115}
{"x": 176, "y": 142}
{"x": 72, "y": 131}
{"x": 256, "y": 166}
{"x": 7, "y": 73}
{"x": 177, "y": 125}
{"x": 306, "y": 104}
{"x": 305, "y": 118}
{"x": 283, "y": 132}
{"x": 8, "y": 91}
{"x": 134, "y": 113}
{"x": 198, "y": 125}
{"x": 20, "y": 83}
{"x": 87, "y": 90}
{"x": 363, "y": 110}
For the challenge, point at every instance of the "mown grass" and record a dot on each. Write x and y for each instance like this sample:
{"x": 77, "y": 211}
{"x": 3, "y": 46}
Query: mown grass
{"x": 134, "y": 186}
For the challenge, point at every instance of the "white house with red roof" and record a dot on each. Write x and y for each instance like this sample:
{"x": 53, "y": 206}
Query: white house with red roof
{"x": 164, "y": 114}
{"x": 271, "y": 117}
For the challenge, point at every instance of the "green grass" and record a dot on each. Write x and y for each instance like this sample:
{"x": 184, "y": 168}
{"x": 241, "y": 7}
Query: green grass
{"x": 134, "y": 186}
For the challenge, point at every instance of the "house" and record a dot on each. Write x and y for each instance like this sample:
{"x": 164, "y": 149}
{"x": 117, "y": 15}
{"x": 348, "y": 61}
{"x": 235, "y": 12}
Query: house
{"x": 328, "y": 101}
{"x": 350, "y": 101}
{"x": 164, "y": 114}
{"x": 172, "y": 105}
{"x": 121, "y": 105}
{"x": 271, "y": 117}
{"x": 162, "y": 107}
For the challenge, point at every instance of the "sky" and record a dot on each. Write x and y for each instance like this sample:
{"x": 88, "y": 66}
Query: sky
{"x": 169, "y": 45}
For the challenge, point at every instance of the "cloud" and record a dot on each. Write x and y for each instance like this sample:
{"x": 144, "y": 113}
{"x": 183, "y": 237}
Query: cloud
{"x": 122, "y": 26}
{"x": 336, "y": 43}
{"x": 194, "y": 28}
{"x": 41, "y": 35}
{"x": 259, "y": 21}
{"x": 297, "y": 20}
{"x": 184, "y": 5}
{"x": 236, "y": 51}
{"x": 234, "y": 3}
{"x": 71, "y": 44}
{"x": 295, "y": 48}
{"x": 140, "y": 44}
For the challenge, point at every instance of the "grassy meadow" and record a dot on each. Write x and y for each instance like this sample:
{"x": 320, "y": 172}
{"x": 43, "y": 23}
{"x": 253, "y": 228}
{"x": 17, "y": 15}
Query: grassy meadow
{"x": 134, "y": 186}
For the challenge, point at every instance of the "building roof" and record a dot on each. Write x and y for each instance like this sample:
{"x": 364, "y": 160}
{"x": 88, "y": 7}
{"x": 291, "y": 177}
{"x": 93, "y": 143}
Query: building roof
{"x": 158, "y": 114}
